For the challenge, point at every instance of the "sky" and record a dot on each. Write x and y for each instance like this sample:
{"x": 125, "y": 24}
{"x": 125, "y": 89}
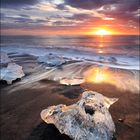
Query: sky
{"x": 69, "y": 17}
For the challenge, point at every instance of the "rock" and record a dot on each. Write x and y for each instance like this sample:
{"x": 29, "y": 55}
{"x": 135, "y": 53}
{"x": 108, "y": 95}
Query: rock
{"x": 11, "y": 73}
{"x": 51, "y": 60}
{"x": 88, "y": 119}
{"x": 4, "y": 59}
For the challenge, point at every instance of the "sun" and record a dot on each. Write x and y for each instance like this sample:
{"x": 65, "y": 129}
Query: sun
{"x": 102, "y": 32}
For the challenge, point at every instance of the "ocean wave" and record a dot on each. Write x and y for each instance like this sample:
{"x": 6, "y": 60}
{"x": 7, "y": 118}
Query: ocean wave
{"x": 69, "y": 54}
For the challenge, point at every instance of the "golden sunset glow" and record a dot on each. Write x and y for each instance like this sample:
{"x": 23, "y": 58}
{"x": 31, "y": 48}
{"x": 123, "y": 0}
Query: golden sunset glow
{"x": 102, "y": 32}
{"x": 96, "y": 76}
{"x": 99, "y": 76}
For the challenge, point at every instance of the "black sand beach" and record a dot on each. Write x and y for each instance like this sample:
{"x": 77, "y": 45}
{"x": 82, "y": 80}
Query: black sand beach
{"x": 20, "y": 110}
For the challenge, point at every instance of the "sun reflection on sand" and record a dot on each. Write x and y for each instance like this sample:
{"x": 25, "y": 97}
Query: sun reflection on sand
{"x": 123, "y": 80}
{"x": 97, "y": 75}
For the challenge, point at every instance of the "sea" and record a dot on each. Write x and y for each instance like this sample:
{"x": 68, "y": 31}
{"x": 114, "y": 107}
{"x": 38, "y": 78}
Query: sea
{"x": 123, "y": 49}
{"x": 74, "y": 54}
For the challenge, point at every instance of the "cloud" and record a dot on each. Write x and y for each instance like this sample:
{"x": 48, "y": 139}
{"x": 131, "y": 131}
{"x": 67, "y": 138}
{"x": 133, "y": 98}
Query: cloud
{"x": 21, "y": 21}
{"x": 2, "y": 15}
{"x": 125, "y": 10}
{"x": 78, "y": 14}
{"x": 17, "y": 3}
{"x": 23, "y": 15}
{"x": 61, "y": 7}
{"x": 124, "y": 5}
{"x": 64, "y": 23}
{"x": 83, "y": 17}
{"x": 88, "y": 4}
{"x": 130, "y": 5}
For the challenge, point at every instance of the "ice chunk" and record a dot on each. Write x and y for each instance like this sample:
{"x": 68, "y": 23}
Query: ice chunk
{"x": 88, "y": 119}
{"x": 11, "y": 72}
{"x": 51, "y": 60}
{"x": 4, "y": 59}
{"x": 73, "y": 81}
{"x": 110, "y": 59}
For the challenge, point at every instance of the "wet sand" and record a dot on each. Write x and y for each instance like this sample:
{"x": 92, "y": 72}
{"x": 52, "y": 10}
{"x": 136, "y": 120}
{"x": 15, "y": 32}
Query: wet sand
{"x": 20, "y": 110}
{"x": 125, "y": 112}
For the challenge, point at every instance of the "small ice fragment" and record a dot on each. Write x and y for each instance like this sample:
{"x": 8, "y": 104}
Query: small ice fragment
{"x": 74, "y": 81}
{"x": 4, "y": 59}
{"x": 11, "y": 72}
{"x": 51, "y": 60}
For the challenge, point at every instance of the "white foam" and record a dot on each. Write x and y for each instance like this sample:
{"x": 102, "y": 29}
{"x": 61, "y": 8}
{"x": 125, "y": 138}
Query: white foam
{"x": 59, "y": 55}
{"x": 4, "y": 59}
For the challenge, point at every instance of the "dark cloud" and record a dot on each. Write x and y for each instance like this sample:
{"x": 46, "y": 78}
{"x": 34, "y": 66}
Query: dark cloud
{"x": 83, "y": 17}
{"x": 2, "y": 15}
{"x": 124, "y": 10}
{"x": 17, "y": 3}
{"x": 55, "y": 27}
{"x": 22, "y": 15}
{"x": 129, "y": 5}
{"x": 21, "y": 25}
{"x": 28, "y": 20}
{"x": 88, "y": 4}
{"x": 61, "y": 7}
{"x": 123, "y": 5}
{"x": 22, "y": 21}
{"x": 12, "y": 26}
{"x": 64, "y": 23}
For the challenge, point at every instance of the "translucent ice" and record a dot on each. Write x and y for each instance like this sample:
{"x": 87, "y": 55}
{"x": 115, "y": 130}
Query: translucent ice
{"x": 11, "y": 72}
{"x": 88, "y": 119}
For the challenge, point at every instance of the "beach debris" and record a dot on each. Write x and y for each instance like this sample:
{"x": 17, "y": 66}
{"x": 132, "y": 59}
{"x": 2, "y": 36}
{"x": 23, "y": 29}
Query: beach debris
{"x": 121, "y": 120}
{"x": 72, "y": 81}
{"x": 11, "y": 72}
{"x": 88, "y": 119}
{"x": 51, "y": 60}
{"x": 4, "y": 59}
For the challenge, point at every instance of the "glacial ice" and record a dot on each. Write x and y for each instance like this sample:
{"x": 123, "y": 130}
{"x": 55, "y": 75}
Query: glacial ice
{"x": 11, "y": 72}
{"x": 74, "y": 81}
{"x": 4, "y": 59}
{"x": 51, "y": 60}
{"x": 111, "y": 60}
{"x": 88, "y": 119}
